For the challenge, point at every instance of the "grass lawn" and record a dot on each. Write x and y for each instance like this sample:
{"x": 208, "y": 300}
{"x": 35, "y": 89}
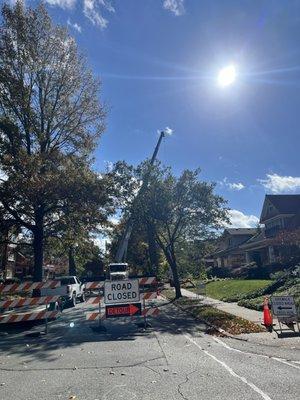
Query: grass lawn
{"x": 233, "y": 289}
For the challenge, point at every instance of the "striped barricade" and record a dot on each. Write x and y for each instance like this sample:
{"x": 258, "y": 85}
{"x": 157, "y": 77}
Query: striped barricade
{"x": 6, "y": 319}
{"x": 94, "y": 316}
{"x": 148, "y": 281}
{"x": 94, "y": 285}
{"x": 150, "y": 312}
{"x": 148, "y": 295}
{"x": 34, "y": 301}
{"x": 93, "y": 300}
{"x": 28, "y": 286}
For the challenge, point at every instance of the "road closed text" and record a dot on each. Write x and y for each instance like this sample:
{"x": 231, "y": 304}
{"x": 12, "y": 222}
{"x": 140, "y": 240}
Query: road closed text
{"x": 121, "y": 291}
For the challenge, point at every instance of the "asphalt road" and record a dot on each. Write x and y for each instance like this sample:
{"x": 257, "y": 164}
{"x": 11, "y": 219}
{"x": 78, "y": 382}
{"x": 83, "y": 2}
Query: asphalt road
{"x": 174, "y": 359}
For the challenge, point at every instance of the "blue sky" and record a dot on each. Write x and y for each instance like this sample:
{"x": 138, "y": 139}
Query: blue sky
{"x": 158, "y": 61}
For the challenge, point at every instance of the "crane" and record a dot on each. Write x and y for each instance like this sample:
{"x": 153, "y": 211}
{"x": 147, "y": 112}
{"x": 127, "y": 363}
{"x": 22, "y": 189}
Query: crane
{"x": 123, "y": 244}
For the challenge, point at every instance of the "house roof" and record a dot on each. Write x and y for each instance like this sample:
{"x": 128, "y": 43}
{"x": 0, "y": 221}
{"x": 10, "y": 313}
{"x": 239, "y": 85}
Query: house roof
{"x": 241, "y": 231}
{"x": 249, "y": 232}
{"x": 283, "y": 204}
{"x": 259, "y": 238}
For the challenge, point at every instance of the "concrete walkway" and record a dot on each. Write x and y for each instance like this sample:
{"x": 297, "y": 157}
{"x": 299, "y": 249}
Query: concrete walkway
{"x": 231, "y": 308}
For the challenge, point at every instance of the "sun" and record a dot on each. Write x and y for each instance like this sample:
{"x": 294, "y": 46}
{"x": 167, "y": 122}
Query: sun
{"x": 227, "y": 76}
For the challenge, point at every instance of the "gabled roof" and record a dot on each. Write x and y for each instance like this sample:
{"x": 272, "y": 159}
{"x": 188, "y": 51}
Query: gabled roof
{"x": 241, "y": 231}
{"x": 254, "y": 240}
{"x": 284, "y": 204}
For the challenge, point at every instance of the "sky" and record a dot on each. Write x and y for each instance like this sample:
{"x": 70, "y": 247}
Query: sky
{"x": 159, "y": 60}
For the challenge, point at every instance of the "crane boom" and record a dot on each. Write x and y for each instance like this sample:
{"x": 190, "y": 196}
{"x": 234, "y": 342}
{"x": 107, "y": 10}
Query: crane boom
{"x": 123, "y": 244}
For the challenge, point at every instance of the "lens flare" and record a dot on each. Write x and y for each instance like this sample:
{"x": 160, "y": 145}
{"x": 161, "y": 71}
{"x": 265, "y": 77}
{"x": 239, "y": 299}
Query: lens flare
{"x": 227, "y": 76}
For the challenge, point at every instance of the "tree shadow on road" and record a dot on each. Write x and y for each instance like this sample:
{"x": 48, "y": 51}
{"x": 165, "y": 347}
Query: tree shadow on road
{"x": 71, "y": 330}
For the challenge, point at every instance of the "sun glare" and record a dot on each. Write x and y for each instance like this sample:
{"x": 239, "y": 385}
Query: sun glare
{"x": 227, "y": 76}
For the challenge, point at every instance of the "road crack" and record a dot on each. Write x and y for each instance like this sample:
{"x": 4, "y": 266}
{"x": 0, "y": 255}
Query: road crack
{"x": 179, "y": 386}
{"x": 95, "y": 367}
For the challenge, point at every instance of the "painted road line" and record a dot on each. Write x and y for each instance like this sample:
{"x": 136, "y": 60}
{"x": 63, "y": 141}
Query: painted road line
{"x": 230, "y": 370}
{"x": 282, "y": 360}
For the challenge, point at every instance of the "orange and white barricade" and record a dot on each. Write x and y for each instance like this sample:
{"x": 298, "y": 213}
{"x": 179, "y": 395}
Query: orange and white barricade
{"x": 27, "y": 286}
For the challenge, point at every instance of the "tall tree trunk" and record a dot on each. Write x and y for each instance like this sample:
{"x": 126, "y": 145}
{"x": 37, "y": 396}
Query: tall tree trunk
{"x": 4, "y": 254}
{"x": 72, "y": 264}
{"x": 153, "y": 256}
{"x": 38, "y": 245}
{"x": 173, "y": 264}
{"x": 38, "y": 251}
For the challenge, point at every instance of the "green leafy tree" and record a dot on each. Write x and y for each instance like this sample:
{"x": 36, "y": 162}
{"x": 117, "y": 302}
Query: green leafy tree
{"x": 50, "y": 120}
{"x": 182, "y": 212}
{"x": 181, "y": 209}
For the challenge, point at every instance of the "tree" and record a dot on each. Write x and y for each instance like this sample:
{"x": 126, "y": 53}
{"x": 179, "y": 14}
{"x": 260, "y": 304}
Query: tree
{"x": 131, "y": 183}
{"x": 50, "y": 120}
{"x": 181, "y": 209}
{"x": 86, "y": 204}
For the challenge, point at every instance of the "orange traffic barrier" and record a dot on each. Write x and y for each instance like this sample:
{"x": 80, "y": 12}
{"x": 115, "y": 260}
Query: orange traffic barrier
{"x": 267, "y": 316}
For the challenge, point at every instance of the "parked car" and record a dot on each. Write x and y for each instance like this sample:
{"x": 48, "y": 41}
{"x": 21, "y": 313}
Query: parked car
{"x": 70, "y": 290}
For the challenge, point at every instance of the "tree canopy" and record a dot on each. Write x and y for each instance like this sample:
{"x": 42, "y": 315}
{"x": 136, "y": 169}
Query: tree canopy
{"x": 50, "y": 121}
{"x": 182, "y": 211}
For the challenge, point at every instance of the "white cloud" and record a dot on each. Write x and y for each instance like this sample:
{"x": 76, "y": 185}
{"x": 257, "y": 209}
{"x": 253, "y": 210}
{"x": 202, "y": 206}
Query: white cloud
{"x": 75, "y": 26}
{"x": 168, "y": 131}
{"x": 91, "y": 9}
{"x": 66, "y": 4}
{"x": 280, "y": 184}
{"x": 241, "y": 220}
{"x": 232, "y": 185}
{"x": 236, "y": 186}
{"x": 175, "y": 6}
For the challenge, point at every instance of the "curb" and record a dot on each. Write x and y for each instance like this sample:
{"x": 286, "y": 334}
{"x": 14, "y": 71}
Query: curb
{"x": 220, "y": 330}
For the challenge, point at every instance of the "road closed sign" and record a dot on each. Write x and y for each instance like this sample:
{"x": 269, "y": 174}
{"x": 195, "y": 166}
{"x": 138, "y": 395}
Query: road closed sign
{"x": 284, "y": 307}
{"x": 125, "y": 291}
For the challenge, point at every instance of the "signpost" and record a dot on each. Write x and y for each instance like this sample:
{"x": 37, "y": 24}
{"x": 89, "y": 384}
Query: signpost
{"x": 122, "y": 299}
{"x": 123, "y": 310}
{"x": 284, "y": 308}
{"x": 124, "y": 291}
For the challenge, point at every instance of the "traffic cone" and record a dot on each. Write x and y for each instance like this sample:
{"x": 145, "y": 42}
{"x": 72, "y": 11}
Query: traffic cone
{"x": 268, "y": 319}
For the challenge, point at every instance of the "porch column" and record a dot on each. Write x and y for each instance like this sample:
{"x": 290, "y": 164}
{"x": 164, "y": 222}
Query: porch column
{"x": 248, "y": 260}
{"x": 271, "y": 254}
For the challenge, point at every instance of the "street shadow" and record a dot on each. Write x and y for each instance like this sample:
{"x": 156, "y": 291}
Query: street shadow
{"x": 71, "y": 330}
{"x": 287, "y": 334}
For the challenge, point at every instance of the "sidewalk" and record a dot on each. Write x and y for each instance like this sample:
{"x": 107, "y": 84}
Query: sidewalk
{"x": 231, "y": 308}
{"x": 264, "y": 338}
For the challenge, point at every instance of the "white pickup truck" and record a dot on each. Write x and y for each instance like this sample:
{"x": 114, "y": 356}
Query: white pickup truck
{"x": 70, "y": 290}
